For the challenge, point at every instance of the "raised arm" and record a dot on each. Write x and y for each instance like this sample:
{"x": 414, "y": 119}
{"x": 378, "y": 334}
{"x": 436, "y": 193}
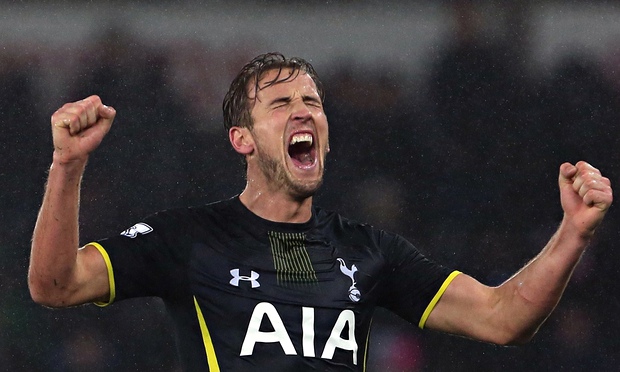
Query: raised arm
{"x": 512, "y": 312}
{"x": 61, "y": 275}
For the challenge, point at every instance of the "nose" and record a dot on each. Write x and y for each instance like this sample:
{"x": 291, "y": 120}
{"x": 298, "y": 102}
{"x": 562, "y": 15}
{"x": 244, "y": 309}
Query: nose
{"x": 300, "y": 111}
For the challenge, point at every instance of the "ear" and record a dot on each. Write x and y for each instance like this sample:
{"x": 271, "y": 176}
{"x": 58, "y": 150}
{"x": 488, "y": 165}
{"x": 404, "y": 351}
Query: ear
{"x": 241, "y": 140}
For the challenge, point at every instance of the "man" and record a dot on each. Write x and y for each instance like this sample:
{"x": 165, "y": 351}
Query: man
{"x": 266, "y": 279}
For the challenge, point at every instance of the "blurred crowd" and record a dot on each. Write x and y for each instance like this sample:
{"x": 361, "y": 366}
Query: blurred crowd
{"x": 463, "y": 164}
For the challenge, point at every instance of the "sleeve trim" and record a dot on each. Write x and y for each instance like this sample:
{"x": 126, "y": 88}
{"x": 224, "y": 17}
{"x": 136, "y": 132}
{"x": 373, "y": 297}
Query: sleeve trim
{"x": 108, "y": 264}
{"x": 206, "y": 339}
{"x": 435, "y": 299}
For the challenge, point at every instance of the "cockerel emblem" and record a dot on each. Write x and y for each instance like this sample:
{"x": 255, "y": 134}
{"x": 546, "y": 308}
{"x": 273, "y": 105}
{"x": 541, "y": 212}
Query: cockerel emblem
{"x": 354, "y": 293}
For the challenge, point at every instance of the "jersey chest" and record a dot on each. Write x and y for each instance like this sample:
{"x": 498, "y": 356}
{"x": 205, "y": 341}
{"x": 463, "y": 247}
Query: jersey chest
{"x": 286, "y": 268}
{"x": 287, "y": 294}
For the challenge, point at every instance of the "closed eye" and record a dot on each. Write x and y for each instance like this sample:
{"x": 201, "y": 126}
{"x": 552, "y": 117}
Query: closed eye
{"x": 280, "y": 102}
{"x": 308, "y": 100}
{"x": 312, "y": 101}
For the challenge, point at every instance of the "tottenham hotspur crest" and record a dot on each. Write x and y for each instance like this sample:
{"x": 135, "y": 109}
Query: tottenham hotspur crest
{"x": 354, "y": 293}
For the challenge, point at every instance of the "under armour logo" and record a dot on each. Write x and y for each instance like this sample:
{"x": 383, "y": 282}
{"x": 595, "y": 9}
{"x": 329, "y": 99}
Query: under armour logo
{"x": 354, "y": 293}
{"x": 252, "y": 278}
{"x": 139, "y": 228}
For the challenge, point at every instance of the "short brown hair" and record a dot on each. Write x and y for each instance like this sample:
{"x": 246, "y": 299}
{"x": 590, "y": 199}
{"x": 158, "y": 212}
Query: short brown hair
{"x": 236, "y": 106}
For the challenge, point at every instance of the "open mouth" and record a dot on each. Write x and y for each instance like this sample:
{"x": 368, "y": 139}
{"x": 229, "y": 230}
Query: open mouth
{"x": 301, "y": 149}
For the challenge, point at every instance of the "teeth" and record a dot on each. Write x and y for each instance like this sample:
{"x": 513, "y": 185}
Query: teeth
{"x": 301, "y": 137}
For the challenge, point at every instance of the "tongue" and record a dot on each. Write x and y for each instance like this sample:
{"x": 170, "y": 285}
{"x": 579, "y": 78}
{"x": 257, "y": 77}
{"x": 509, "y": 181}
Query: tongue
{"x": 304, "y": 159}
{"x": 301, "y": 154}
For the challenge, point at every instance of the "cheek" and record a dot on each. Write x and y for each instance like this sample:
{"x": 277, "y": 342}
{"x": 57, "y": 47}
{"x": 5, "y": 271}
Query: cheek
{"x": 323, "y": 126}
{"x": 268, "y": 143}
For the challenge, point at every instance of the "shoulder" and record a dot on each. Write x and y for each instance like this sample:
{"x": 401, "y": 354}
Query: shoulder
{"x": 180, "y": 219}
{"x": 330, "y": 217}
{"x": 349, "y": 227}
{"x": 212, "y": 210}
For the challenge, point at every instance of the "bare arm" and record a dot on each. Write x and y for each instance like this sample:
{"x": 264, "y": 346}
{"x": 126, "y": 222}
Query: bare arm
{"x": 60, "y": 274}
{"x": 512, "y": 312}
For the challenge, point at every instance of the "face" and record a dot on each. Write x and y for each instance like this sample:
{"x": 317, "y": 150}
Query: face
{"x": 290, "y": 134}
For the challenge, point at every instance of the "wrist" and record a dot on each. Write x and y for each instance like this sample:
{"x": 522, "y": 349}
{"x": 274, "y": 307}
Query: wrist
{"x": 70, "y": 168}
{"x": 570, "y": 230}
{"x": 58, "y": 160}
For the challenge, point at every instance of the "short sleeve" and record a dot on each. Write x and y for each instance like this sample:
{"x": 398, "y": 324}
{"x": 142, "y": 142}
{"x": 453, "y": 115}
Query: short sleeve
{"x": 147, "y": 259}
{"x": 413, "y": 284}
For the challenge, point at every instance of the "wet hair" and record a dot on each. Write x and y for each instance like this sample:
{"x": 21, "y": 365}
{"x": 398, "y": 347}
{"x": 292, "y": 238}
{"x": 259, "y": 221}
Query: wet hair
{"x": 237, "y": 108}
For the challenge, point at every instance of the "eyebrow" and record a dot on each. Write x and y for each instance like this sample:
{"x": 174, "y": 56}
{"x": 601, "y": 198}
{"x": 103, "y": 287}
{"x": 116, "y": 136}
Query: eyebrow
{"x": 288, "y": 99}
{"x": 280, "y": 100}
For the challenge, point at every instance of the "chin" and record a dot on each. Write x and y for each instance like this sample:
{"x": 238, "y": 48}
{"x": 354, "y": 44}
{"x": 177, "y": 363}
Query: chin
{"x": 303, "y": 190}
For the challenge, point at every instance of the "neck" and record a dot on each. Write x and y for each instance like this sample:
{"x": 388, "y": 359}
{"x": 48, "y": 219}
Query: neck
{"x": 276, "y": 206}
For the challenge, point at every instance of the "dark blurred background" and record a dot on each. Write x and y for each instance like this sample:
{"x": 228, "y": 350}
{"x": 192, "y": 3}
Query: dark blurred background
{"x": 449, "y": 121}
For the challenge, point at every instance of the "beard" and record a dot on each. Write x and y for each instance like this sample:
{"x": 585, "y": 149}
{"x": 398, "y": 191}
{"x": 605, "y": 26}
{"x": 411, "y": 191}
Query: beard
{"x": 275, "y": 171}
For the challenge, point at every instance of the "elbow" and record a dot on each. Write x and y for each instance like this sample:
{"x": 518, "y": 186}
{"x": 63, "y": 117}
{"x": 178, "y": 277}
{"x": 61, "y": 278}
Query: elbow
{"x": 516, "y": 337}
{"x": 518, "y": 340}
{"x": 46, "y": 295}
{"x": 46, "y": 300}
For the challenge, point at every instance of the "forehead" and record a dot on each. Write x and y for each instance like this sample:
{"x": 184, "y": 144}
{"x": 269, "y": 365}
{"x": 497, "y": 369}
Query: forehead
{"x": 298, "y": 81}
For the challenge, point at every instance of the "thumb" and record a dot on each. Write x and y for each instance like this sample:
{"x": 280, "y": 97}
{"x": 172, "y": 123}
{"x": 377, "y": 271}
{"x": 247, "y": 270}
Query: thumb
{"x": 567, "y": 174}
{"x": 106, "y": 112}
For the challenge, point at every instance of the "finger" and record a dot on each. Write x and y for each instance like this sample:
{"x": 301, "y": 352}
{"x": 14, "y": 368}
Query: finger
{"x": 64, "y": 123}
{"x": 567, "y": 172}
{"x": 77, "y": 116}
{"x": 599, "y": 198}
{"x": 86, "y": 113}
{"x": 68, "y": 116}
{"x": 590, "y": 184}
{"x": 579, "y": 184}
{"x": 96, "y": 110}
{"x": 76, "y": 126}
{"x": 60, "y": 118}
{"x": 584, "y": 169}
{"x": 90, "y": 111}
{"x": 592, "y": 187}
{"x": 587, "y": 177}
{"x": 67, "y": 120}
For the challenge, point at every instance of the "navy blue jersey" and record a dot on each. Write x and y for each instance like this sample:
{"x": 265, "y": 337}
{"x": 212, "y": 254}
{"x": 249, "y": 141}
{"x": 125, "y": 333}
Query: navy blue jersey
{"x": 248, "y": 294}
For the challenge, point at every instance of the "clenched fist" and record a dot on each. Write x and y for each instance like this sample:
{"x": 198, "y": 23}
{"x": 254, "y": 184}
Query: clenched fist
{"x": 585, "y": 194}
{"x": 79, "y": 127}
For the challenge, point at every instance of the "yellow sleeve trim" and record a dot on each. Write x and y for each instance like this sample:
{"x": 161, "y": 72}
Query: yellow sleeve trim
{"x": 206, "y": 339}
{"x": 367, "y": 343}
{"x": 108, "y": 264}
{"x": 435, "y": 299}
